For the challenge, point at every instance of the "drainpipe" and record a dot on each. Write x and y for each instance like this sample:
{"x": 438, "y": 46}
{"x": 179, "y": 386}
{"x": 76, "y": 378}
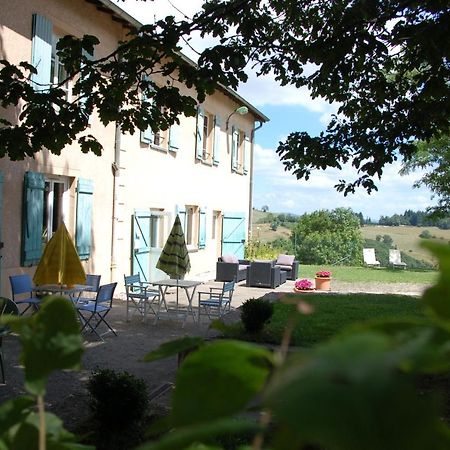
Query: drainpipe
{"x": 250, "y": 211}
{"x": 115, "y": 166}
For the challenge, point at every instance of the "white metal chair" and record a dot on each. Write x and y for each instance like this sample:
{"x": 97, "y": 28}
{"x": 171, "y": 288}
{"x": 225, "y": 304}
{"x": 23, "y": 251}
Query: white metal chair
{"x": 369, "y": 257}
{"x": 395, "y": 258}
{"x": 217, "y": 301}
{"x": 141, "y": 297}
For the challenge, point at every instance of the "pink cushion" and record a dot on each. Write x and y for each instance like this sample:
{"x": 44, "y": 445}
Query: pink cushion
{"x": 285, "y": 260}
{"x": 230, "y": 259}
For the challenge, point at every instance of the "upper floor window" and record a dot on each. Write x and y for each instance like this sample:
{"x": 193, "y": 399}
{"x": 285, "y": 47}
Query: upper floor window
{"x": 240, "y": 151}
{"x": 208, "y": 137}
{"x": 58, "y": 73}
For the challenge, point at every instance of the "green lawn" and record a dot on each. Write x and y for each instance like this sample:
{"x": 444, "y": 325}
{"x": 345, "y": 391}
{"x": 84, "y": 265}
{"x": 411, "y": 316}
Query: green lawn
{"x": 331, "y": 314}
{"x": 371, "y": 274}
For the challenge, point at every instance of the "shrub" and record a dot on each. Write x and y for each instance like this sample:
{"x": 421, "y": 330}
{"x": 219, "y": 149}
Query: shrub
{"x": 119, "y": 403}
{"x": 255, "y": 313}
{"x": 387, "y": 239}
{"x": 425, "y": 234}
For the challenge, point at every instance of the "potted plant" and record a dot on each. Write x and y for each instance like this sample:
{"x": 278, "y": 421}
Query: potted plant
{"x": 323, "y": 280}
{"x": 303, "y": 286}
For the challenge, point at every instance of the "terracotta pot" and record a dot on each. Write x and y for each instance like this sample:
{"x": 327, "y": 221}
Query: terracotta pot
{"x": 323, "y": 284}
{"x": 302, "y": 291}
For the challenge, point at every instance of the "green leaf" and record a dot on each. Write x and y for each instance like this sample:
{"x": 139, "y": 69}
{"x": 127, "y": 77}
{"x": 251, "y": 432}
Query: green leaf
{"x": 173, "y": 347}
{"x": 218, "y": 380}
{"x": 350, "y": 394}
{"x": 14, "y": 411}
{"x": 51, "y": 340}
{"x": 189, "y": 437}
{"x": 436, "y": 297}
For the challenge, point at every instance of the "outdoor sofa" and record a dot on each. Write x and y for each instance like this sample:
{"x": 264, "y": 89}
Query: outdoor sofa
{"x": 229, "y": 268}
{"x": 288, "y": 264}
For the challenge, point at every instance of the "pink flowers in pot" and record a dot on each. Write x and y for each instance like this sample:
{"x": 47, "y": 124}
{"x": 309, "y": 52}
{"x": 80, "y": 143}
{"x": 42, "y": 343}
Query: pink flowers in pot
{"x": 323, "y": 274}
{"x": 303, "y": 285}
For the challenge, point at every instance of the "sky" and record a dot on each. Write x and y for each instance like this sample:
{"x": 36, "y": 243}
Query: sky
{"x": 290, "y": 109}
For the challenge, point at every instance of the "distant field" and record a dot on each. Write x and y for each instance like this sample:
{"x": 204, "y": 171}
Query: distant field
{"x": 406, "y": 238}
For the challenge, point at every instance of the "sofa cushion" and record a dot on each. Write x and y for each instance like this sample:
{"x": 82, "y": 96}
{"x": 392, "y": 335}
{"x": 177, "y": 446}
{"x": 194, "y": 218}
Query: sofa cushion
{"x": 230, "y": 259}
{"x": 285, "y": 260}
{"x": 283, "y": 267}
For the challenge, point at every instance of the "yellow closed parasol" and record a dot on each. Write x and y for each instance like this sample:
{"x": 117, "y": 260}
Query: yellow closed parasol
{"x": 60, "y": 263}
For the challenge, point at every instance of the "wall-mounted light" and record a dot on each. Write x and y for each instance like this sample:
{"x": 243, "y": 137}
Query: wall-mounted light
{"x": 242, "y": 110}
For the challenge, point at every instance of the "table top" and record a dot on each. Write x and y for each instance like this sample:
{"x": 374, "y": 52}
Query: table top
{"x": 61, "y": 288}
{"x": 174, "y": 283}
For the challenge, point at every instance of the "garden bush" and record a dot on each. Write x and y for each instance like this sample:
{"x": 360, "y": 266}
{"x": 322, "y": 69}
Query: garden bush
{"x": 119, "y": 402}
{"x": 255, "y": 313}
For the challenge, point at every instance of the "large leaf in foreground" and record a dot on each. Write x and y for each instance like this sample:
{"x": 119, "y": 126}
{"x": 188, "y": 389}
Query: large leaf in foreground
{"x": 351, "y": 394}
{"x": 218, "y": 380}
{"x": 51, "y": 340}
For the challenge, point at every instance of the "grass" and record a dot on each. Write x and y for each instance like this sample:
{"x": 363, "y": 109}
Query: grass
{"x": 332, "y": 313}
{"x": 371, "y": 274}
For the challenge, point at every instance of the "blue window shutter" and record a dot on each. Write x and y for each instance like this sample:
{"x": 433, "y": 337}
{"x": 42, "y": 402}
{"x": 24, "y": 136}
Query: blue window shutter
{"x": 199, "y": 133}
{"x": 234, "y": 148}
{"x": 247, "y": 149}
{"x": 174, "y": 137}
{"x": 181, "y": 211}
{"x": 41, "y": 52}
{"x": 216, "y": 146}
{"x": 83, "y": 239}
{"x": 32, "y": 218}
{"x": 202, "y": 230}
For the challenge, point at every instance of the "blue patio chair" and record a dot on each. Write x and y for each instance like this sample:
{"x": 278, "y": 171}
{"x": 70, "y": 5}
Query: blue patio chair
{"x": 141, "y": 297}
{"x": 93, "y": 313}
{"x": 22, "y": 286}
{"x": 217, "y": 301}
{"x": 7, "y": 306}
{"x": 94, "y": 282}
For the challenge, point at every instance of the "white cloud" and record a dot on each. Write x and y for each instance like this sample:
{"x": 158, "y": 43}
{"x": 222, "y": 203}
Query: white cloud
{"x": 284, "y": 193}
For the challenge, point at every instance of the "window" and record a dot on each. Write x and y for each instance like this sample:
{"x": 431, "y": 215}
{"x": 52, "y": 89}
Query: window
{"x": 216, "y": 217}
{"x": 240, "y": 151}
{"x": 157, "y": 226}
{"x": 191, "y": 231}
{"x": 45, "y": 206}
{"x": 57, "y": 71}
{"x": 53, "y": 206}
{"x": 208, "y": 137}
{"x": 193, "y": 222}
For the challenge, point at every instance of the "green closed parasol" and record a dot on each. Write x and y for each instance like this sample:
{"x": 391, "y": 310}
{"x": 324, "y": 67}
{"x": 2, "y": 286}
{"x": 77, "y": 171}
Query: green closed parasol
{"x": 174, "y": 258}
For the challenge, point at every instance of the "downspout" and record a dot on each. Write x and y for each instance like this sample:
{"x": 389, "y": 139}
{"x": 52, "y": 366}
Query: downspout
{"x": 250, "y": 211}
{"x": 115, "y": 166}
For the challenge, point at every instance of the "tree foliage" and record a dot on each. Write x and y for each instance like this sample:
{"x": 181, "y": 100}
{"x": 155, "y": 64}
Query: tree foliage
{"x": 328, "y": 237}
{"x": 433, "y": 156}
{"x": 384, "y": 63}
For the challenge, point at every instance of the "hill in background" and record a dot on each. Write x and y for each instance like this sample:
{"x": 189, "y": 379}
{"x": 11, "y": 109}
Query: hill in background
{"x": 405, "y": 238}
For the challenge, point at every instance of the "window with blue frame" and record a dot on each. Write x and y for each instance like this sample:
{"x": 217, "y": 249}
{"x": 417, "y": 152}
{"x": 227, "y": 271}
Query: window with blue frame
{"x": 46, "y": 204}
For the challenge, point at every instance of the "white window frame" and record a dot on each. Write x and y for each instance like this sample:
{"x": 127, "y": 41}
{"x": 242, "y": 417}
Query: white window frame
{"x": 56, "y": 76}
{"x": 49, "y": 203}
{"x": 192, "y": 226}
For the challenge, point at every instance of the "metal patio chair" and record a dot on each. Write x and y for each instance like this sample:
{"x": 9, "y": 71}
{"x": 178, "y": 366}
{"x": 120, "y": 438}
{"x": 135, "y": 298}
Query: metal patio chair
{"x": 141, "y": 296}
{"x": 93, "y": 313}
{"x": 93, "y": 281}
{"x": 22, "y": 292}
{"x": 217, "y": 301}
